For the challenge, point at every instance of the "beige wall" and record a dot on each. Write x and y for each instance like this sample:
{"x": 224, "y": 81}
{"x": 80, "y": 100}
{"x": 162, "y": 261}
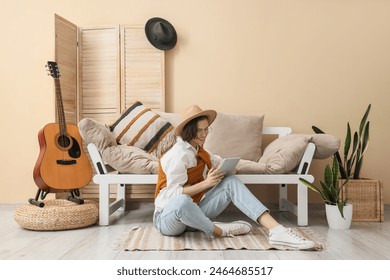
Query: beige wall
{"x": 302, "y": 63}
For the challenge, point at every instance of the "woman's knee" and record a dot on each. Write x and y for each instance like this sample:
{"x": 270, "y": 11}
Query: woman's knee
{"x": 183, "y": 201}
{"x": 233, "y": 179}
{"x": 233, "y": 182}
{"x": 169, "y": 221}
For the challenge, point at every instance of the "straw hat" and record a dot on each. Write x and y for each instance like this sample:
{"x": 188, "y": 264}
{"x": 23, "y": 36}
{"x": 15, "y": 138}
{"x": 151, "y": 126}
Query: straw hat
{"x": 191, "y": 113}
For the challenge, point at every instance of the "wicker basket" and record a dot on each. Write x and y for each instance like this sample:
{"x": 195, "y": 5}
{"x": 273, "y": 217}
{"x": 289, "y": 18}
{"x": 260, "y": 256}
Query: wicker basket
{"x": 366, "y": 196}
{"x": 57, "y": 214}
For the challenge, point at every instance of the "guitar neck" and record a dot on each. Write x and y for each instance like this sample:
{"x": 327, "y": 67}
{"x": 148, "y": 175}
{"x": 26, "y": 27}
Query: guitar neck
{"x": 60, "y": 107}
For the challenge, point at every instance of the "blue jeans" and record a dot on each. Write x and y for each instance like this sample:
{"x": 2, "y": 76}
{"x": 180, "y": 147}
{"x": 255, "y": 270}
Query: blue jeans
{"x": 181, "y": 213}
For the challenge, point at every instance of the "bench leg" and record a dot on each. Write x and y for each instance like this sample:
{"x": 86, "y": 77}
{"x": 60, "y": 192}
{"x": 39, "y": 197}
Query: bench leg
{"x": 104, "y": 204}
{"x": 302, "y": 205}
{"x": 282, "y": 196}
{"x": 121, "y": 195}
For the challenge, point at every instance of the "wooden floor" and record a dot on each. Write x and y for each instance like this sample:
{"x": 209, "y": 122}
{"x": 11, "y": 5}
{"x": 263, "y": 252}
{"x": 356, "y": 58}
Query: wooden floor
{"x": 364, "y": 241}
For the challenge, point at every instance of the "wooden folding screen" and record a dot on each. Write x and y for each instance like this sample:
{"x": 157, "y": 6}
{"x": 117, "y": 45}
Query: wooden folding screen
{"x": 104, "y": 70}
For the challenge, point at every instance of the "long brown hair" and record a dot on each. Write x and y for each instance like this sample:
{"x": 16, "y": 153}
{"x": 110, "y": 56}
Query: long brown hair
{"x": 191, "y": 129}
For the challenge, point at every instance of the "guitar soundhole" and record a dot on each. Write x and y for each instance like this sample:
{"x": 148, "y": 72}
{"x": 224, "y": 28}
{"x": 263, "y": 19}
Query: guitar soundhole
{"x": 64, "y": 142}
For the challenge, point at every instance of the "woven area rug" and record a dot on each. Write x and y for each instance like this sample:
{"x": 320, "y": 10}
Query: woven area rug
{"x": 149, "y": 239}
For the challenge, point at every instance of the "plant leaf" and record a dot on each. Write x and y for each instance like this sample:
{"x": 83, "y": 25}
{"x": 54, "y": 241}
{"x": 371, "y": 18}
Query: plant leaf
{"x": 358, "y": 165}
{"x": 310, "y": 185}
{"x": 335, "y": 170}
{"x": 347, "y": 143}
{"x": 364, "y": 119}
{"x": 340, "y": 205}
{"x": 313, "y": 187}
{"x": 355, "y": 143}
{"x": 365, "y": 137}
{"x": 343, "y": 172}
{"x": 317, "y": 130}
{"x": 327, "y": 192}
{"x": 328, "y": 175}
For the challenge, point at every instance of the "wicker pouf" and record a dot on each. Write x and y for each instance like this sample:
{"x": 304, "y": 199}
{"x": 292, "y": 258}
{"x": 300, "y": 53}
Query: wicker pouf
{"x": 57, "y": 214}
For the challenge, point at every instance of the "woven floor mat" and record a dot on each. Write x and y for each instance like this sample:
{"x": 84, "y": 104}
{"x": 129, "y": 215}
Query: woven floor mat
{"x": 147, "y": 238}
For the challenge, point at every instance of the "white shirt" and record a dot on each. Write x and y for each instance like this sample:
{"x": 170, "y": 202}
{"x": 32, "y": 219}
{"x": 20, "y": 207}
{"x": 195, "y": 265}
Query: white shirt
{"x": 175, "y": 163}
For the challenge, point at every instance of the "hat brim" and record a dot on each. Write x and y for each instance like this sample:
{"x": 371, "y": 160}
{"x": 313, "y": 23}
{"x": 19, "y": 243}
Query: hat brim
{"x": 210, "y": 114}
{"x": 149, "y": 34}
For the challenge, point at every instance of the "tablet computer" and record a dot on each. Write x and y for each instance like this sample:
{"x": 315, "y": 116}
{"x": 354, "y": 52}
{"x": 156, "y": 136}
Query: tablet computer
{"x": 228, "y": 165}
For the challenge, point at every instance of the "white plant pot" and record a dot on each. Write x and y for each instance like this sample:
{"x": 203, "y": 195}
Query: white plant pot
{"x": 333, "y": 216}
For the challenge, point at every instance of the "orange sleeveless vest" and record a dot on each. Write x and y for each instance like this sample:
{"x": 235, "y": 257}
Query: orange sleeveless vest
{"x": 195, "y": 174}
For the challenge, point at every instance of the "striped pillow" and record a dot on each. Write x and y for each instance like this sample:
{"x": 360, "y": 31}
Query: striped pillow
{"x": 140, "y": 127}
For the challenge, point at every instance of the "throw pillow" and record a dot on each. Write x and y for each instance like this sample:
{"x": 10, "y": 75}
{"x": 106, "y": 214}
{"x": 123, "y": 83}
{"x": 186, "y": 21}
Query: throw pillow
{"x": 94, "y": 132}
{"x": 129, "y": 159}
{"x": 236, "y": 136}
{"x": 326, "y": 145}
{"x": 284, "y": 154}
{"x": 173, "y": 118}
{"x": 140, "y": 127}
{"x": 250, "y": 167}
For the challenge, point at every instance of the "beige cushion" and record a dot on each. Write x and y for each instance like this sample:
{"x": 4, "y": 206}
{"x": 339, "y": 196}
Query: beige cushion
{"x": 326, "y": 145}
{"x": 284, "y": 154}
{"x": 123, "y": 158}
{"x": 130, "y": 159}
{"x": 140, "y": 127}
{"x": 94, "y": 132}
{"x": 173, "y": 118}
{"x": 236, "y": 135}
{"x": 250, "y": 167}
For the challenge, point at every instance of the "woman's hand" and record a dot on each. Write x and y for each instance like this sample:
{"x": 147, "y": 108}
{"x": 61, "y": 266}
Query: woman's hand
{"x": 214, "y": 177}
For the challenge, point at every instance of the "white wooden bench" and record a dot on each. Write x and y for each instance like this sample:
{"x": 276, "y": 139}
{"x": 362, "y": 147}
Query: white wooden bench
{"x": 104, "y": 179}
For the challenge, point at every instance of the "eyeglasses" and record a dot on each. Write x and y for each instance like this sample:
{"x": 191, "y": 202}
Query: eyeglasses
{"x": 201, "y": 131}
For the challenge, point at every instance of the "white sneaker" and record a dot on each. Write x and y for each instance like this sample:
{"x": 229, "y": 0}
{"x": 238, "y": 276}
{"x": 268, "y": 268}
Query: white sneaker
{"x": 290, "y": 238}
{"x": 234, "y": 228}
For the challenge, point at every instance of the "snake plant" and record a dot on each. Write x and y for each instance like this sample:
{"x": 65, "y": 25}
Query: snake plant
{"x": 330, "y": 188}
{"x": 351, "y": 164}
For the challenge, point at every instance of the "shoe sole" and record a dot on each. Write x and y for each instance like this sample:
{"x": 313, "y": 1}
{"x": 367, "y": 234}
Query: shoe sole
{"x": 299, "y": 247}
{"x": 239, "y": 222}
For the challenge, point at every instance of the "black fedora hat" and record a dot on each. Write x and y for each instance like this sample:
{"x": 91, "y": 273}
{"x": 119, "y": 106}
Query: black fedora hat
{"x": 160, "y": 33}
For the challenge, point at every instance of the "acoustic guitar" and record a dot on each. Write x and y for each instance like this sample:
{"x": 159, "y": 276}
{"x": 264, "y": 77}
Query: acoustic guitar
{"x": 62, "y": 164}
